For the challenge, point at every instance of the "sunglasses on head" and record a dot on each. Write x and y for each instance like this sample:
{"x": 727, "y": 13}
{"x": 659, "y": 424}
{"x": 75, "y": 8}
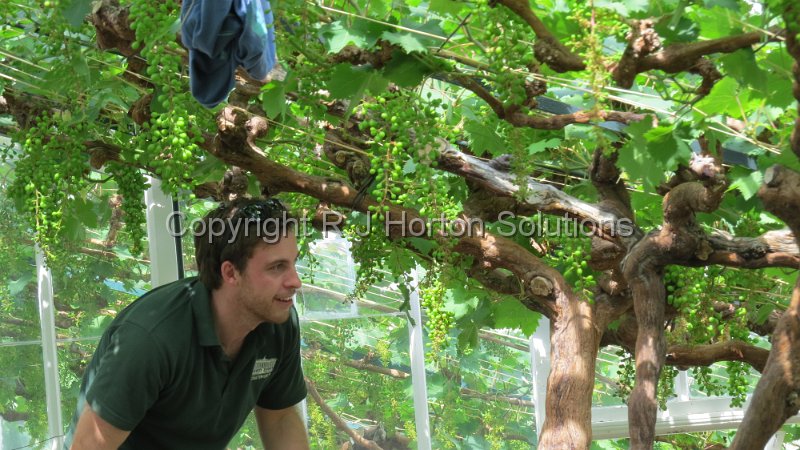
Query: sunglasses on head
{"x": 261, "y": 210}
{"x": 267, "y": 209}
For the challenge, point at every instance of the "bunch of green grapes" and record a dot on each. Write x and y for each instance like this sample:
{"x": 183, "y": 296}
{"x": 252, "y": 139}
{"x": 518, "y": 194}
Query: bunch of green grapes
{"x": 131, "y": 184}
{"x": 323, "y": 428}
{"x": 342, "y": 336}
{"x": 170, "y": 148}
{"x": 509, "y": 46}
{"x": 705, "y": 381}
{"x": 692, "y": 291}
{"x": 626, "y": 373}
{"x": 368, "y": 249}
{"x": 570, "y": 258}
{"x": 439, "y": 321}
{"x": 445, "y": 424}
{"x": 494, "y": 420}
{"x": 50, "y": 168}
{"x": 320, "y": 429}
{"x": 169, "y": 143}
{"x": 606, "y": 22}
{"x": 738, "y": 385}
{"x": 666, "y": 385}
{"x": 404, "y": 153}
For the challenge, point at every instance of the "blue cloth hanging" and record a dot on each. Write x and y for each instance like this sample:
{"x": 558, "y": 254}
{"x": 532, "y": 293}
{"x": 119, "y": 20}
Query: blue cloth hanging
{"x": 221, "y": 35}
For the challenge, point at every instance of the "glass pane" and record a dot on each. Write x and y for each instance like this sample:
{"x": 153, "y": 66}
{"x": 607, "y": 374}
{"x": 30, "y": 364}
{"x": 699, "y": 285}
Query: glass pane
{"x": 612, "y": 376}
{"x": 23, "y": 421}
{"x": 359, "y": 373}
{"x": 90, "y": 290}
{"x": 482, "y": 398}
{"x": 73, "y": 357}
{"x": 329, "y": 277}
{"x": 19, "y": 315}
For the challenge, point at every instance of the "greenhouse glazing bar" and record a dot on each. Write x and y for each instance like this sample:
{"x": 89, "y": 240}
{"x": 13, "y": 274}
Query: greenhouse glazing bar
{"x": 161, "y": 244}
{"x": 418, "y": 376}
{"x": 47, "y": 323}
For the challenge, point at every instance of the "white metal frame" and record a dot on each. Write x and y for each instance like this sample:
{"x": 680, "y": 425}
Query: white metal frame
{"x": 418, "y": 378}
{"x": 161, "y": 244}
{"x": 47, "y": 323}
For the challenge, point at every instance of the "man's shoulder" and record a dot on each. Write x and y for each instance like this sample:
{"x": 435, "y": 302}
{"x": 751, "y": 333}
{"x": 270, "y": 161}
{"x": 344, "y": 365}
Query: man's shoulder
{"x": 164, "y": 308}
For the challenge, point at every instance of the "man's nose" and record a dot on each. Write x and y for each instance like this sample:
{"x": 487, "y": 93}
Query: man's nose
{"x": 294, "y": 279}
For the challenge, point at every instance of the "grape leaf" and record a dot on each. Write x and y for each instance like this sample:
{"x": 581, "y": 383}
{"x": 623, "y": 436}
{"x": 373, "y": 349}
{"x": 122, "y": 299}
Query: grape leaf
{"x": 483, "y": 138}
{"x": 458, "y": 302}
{"x": 652, "y": 151}
{"x": 75, "y": 11}
{"x": 408, "y": 42}
{"x": 404, "y": 70}
{"x": 741, "y": 65}
{"x": 540, "y": 146}
{"x": 745, "y": 181}
{"x": 450, "y": 7}
{"x": 336, "y": 37}
{"x": 510, "y": 313}
{"x": 724, "y": 98}
{"x": 350, "y": 82}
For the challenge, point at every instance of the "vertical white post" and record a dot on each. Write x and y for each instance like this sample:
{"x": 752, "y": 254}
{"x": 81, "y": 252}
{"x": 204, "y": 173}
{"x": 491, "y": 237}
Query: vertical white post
{"x": 47, "y": 322}
{"x": 776, "y": 442}
{"x": 540, "y": 369}
{"x": 418, "y": 378}
{"x": 682, "y": 386}
{"x": 160, "y": 234}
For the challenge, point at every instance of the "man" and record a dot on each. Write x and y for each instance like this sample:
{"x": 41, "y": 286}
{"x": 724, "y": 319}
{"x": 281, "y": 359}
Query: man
{"x": 182, "y": 366}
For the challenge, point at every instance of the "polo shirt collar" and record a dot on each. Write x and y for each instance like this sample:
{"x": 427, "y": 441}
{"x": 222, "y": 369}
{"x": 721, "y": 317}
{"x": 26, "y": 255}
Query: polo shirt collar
{"x": 203, "y": 317}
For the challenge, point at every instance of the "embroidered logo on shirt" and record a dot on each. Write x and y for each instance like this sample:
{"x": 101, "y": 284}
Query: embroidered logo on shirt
{"x": 263, "y": 368}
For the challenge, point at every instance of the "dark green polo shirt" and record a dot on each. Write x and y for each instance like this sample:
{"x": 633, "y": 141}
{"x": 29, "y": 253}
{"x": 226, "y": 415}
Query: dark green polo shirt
{"x": 159, "y": 371}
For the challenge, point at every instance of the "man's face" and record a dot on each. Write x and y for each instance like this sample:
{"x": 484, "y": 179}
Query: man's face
{"x": 270, "y": 280}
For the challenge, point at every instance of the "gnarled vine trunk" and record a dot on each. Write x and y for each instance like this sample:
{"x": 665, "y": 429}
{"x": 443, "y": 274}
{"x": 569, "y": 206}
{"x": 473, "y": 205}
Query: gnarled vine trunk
{"x": 777, "y": 395}
{"x": 574, "y": 342}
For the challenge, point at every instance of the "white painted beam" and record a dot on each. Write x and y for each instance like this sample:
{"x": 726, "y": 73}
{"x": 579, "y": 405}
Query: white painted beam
{"x": 418, "y": 375}
{"x": 540, "y": 369}
{"x": 47, "y": 323}
{"x": 160, "y": 234}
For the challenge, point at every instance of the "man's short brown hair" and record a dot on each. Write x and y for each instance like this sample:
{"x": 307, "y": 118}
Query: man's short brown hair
{"x": 232, "y": 232}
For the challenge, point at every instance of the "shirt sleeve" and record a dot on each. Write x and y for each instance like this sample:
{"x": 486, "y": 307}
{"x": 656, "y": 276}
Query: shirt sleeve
{"x": 127, "y": 379}
{"x": 287, "y": 387}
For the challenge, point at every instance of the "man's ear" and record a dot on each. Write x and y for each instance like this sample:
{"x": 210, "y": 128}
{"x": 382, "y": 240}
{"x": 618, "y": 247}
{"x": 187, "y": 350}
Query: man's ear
{"x": 229, "y": 272}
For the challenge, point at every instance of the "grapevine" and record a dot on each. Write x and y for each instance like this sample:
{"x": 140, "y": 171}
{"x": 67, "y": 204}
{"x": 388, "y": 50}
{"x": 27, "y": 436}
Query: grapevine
{"x": 432, "y": 292}
{"x": 404, "y": 152}
{"x": 50, "y": 169}
{"x": 169, "y": 143}
{"x": 130, "y": 182}
{"x": 509, "y": 53}
{"x": 626, "y": 374}
{"x": 666, "y": 385}
{"x": 738, "y": 385}
{"x": 570, "y": 257}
